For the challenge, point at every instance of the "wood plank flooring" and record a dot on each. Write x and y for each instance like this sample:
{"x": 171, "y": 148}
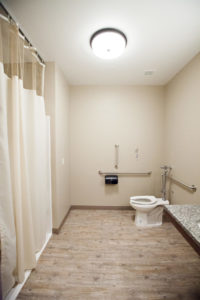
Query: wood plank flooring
{"x": 101, "y": 254}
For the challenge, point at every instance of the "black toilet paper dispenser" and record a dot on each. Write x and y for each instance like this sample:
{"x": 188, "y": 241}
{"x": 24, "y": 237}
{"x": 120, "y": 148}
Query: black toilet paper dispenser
{"x": 111, "y": 179}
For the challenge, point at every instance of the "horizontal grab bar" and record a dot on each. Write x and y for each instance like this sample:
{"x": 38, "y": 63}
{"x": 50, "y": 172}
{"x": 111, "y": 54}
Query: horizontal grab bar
{"x": 192, "y": 187}
{"x": 126, "y": 173}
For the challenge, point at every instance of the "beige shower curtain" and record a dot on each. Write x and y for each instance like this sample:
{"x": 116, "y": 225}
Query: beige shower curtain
{"x": 25, "y": 198}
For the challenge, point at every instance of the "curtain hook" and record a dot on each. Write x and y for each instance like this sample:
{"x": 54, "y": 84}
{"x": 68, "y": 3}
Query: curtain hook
{"x": 9, "y": 19}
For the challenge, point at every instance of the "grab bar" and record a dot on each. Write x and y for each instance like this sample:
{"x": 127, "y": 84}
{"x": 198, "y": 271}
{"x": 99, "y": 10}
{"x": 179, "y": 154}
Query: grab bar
{"x": 125, "y": 173}
{"x": 192, "y": 187}
{"x": 116, "y": 156}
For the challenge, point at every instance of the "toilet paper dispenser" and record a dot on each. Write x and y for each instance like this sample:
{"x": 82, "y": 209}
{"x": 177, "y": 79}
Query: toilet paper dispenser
{"x": 111, "y": 179}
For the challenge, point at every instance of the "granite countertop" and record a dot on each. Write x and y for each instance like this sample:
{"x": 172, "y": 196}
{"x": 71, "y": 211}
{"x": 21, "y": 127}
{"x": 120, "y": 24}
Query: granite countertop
{"x": 188, "y": 216}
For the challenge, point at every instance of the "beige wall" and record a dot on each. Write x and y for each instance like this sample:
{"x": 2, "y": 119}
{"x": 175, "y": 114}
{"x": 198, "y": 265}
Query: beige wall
{"x": 57, "y": 106}
{"x": 182, "y": 131}
{"x": 163, "y": 123}
{"x": 101, "y": 117}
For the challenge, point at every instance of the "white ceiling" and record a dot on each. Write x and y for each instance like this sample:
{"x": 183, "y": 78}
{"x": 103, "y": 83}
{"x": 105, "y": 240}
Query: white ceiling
{"x": 163, "y": 35}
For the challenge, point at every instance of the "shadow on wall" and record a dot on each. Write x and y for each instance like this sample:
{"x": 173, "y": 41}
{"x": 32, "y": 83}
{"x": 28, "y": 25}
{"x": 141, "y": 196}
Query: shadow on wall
{"x": 170, "y": 191}
{"x": 111, "y": 189}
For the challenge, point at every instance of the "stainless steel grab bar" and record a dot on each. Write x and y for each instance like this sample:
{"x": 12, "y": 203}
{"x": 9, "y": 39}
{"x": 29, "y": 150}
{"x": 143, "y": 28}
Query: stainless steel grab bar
{"x": 125, "y": 173}
{"x": 116, "y": 156}
{"x": 192, "y": 187}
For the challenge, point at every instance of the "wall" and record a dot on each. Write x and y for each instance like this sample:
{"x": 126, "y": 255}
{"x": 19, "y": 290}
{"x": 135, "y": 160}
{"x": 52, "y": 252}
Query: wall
{"x": 163, "y": 123}
{"x": 101, "y": 117}
{"x": 57, "y": 106}
{"x": 182, "y": 131}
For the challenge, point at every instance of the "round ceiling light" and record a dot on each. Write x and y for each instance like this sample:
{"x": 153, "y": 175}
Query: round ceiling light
{"x": 108, "y": 43}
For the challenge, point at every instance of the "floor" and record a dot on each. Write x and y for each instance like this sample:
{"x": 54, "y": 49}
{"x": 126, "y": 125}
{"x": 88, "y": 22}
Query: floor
{"x": 100, "y": 254}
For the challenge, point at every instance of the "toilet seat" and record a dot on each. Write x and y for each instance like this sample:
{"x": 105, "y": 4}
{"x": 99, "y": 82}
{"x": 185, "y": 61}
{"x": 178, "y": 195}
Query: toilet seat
{"x": 143, "y": 200}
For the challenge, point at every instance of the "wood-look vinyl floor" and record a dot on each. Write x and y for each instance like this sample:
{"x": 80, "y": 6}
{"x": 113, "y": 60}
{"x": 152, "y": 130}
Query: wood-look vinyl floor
{"x": 101, "y": 254}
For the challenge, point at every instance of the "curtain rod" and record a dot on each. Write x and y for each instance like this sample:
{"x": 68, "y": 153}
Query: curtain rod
{"x": 21, "y": 32}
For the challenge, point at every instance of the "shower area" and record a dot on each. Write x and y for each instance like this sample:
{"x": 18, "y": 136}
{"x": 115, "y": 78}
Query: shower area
{"x": 25, "y": 172}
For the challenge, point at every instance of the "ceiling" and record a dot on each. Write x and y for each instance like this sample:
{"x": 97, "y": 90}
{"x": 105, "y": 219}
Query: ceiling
{"x": 163, "y": 35}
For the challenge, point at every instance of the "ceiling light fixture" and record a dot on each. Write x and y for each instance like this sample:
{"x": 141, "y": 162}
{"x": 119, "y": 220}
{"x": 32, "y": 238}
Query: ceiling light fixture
{"x": 108, "y": 43}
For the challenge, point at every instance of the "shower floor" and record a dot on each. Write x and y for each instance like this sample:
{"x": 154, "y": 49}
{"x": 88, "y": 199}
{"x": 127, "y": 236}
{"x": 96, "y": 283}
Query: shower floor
{"x": 101, "y": 254}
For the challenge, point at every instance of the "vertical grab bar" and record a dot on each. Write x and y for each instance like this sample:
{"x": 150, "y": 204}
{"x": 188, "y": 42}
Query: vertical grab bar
{"x": 116, "y": 156}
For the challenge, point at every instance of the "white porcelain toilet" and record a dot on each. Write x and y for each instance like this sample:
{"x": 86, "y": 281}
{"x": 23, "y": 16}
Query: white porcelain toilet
{"x": 149, "y": 210}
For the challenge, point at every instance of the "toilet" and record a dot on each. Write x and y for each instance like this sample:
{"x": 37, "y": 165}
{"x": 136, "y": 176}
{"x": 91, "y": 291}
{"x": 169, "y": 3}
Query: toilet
{"x": 149, "y": 210}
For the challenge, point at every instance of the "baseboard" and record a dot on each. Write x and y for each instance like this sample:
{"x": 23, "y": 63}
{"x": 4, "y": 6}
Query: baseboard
{"x": 57, "y": 230}
{"x": 101, "y": 207}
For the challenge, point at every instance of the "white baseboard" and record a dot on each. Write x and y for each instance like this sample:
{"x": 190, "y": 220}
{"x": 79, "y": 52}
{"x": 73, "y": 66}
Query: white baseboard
{"x": 14, "y": 292}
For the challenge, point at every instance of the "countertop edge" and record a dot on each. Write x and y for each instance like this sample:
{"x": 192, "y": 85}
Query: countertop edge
{"x": 186, "y": 230}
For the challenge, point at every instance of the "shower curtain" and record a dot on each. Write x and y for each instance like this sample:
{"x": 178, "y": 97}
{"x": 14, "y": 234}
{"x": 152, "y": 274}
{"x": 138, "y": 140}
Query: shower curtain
{"x": 25, "y": 190}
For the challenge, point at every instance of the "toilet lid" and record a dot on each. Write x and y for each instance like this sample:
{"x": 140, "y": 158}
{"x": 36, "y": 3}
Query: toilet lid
{"x": 143, "y": 200}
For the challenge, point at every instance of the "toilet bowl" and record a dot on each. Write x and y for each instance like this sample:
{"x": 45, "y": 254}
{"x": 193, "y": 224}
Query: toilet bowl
{"x": 149, "y": 210}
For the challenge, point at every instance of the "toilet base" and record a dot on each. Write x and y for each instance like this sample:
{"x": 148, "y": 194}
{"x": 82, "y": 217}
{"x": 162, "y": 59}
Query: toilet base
{"x": 151, "y": 218}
